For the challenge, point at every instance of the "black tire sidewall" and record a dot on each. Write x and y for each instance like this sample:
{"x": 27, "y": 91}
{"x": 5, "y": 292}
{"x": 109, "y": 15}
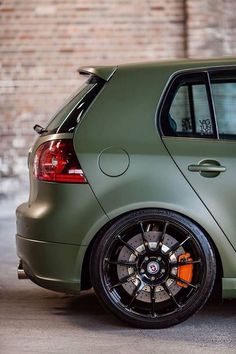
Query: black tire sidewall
{"x": 195, "y": 302}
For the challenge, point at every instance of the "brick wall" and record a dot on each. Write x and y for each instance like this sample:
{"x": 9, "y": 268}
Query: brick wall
{"x": 42, "y": 43}
{"x": 211, "y": 28}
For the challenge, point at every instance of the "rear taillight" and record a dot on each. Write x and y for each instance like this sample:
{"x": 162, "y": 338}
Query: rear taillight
{"x": 55, "y": 161}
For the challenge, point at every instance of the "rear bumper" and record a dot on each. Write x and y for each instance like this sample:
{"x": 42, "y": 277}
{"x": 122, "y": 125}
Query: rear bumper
{"x": 53, "y": 232}
{"x": 60, "y": 213}
{"x": 54, "y": 266}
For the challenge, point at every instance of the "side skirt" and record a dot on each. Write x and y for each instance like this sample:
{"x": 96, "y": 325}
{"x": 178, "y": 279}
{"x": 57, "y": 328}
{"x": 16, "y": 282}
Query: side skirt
{"x": 229, "y": 288}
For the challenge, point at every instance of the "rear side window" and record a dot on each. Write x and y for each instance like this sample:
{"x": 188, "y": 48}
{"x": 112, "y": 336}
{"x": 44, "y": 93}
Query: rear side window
{"x": 223, "y": 87}
{"x": 67, "y": 118}
{"x": 186, "y": 111}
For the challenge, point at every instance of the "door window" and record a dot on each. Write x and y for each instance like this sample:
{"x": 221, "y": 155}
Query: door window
{"x": 224, "y": 96}
{"x": 187, "y": 111}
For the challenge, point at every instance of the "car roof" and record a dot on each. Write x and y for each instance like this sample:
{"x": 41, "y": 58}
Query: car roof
{"x": 106, "y": 72}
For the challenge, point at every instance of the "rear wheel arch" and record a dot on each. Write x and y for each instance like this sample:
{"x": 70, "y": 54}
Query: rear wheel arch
{"x": 85, "y": 272}
{"x": 134, "y": 271}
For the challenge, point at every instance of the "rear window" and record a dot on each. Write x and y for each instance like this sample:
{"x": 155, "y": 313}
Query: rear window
{"x": 67, "y": 118}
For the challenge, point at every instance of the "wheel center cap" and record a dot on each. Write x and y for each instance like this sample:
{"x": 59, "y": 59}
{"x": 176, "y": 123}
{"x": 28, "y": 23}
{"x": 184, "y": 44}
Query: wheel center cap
{"x": 153, "y": 267}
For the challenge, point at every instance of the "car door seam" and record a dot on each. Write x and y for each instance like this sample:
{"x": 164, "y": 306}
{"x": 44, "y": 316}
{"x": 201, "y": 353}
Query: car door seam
{"x": 198, "y": 195}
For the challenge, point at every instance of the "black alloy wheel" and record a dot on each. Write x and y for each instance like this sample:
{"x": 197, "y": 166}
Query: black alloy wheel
{"x": 153, "y": 268}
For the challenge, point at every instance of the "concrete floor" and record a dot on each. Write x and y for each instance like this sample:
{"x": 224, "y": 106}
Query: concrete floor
{"x": 34, "y": 320}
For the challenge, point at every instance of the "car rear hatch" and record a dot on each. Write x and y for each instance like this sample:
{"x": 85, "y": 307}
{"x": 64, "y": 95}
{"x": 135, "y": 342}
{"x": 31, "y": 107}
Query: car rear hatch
{"x": 70, "y": 114}
{"x": 52, "y": 158}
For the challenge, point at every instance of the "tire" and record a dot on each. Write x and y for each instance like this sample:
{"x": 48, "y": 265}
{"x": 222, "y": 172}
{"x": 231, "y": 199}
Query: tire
{"x": 153, "y": 268}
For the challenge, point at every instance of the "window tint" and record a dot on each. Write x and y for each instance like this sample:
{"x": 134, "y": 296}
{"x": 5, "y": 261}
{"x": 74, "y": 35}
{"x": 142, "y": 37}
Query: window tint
{"x": 187, "y": 113}
{"x": 179, "y": 114}
{"x": 66, "y": 119}
{"x": 224, "y": 96}
{"x": 201, "y": 112}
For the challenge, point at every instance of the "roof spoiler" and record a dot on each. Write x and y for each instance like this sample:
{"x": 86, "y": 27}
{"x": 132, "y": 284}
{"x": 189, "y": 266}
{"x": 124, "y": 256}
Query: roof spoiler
{"x": 104, "y": 72}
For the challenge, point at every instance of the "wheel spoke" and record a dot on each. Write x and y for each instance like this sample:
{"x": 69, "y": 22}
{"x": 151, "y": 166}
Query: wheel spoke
{"x": 122, "y": 281}
{"x": 131, "y": 248}
{"x": 152, "y": 297}
{"x": 183, "y": 263}
{"x": 177, "y": 245}
{"x": 145, "y": 243}
{"x": 136, "y": 292}
{"x": 127, "y": 271}
{"x": 184, "y": 282}
{"x": 168, "y": 291}
{"x": 122, "y": 263}
{"x": 160, "y": 242}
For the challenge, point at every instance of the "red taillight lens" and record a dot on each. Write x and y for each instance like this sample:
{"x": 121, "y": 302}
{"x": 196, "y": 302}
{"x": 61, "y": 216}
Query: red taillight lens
{"x": 55, "y": 161}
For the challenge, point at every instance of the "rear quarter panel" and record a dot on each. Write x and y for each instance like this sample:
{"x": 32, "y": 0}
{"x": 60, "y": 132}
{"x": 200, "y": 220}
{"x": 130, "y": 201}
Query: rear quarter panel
{"x": 123, "y": 117}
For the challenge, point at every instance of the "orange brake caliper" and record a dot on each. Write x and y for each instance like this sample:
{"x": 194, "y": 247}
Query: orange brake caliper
{"x": 185, "y": 272}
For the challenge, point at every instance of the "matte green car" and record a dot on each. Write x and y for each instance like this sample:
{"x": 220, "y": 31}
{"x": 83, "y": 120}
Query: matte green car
{"x": 132, "y": 191}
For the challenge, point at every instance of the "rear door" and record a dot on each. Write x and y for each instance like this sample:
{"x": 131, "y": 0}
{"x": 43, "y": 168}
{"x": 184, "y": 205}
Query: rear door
{"x": 198, "y": 124}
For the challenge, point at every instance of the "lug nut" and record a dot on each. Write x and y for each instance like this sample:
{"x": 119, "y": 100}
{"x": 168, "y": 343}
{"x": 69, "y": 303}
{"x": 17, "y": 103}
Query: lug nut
{"x": 142, "y": 271}
{"x": 159, "y": 258}
{"x": 146, "y": 258}
{"x": 163, "y": 270}
{"x": 152, "y": 278}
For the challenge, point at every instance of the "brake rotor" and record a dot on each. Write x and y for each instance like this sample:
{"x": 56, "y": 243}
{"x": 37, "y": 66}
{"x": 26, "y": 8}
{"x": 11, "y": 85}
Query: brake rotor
{"x": 136, "y": 242}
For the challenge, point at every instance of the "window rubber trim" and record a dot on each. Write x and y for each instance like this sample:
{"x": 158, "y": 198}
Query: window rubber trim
{"x": 211, "y": 105}
{"x": 186, "y": 72}
{"x": 191, "y": 107}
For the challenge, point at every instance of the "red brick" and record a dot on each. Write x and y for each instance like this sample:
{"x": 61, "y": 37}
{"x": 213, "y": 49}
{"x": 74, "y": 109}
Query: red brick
{"x": 42, "y": 43}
